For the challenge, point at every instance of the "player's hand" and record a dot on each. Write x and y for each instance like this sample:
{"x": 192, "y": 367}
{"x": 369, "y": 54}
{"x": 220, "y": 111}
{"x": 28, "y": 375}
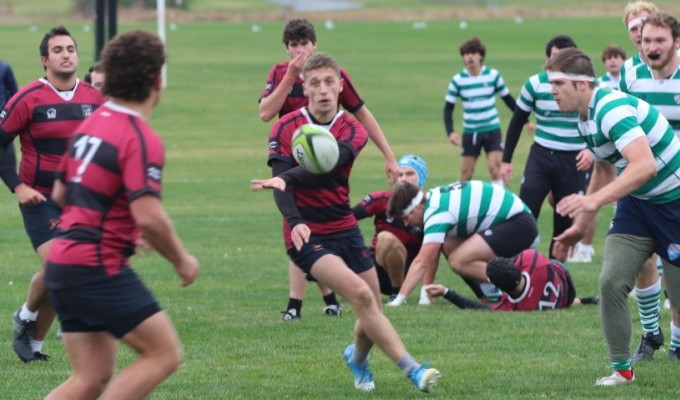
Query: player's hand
{"x": 435, "y": 290}
{"x": 531, "y": 127}
{"x": 507, "y": 173}
{"x": 575, "y": 204}
{"x": 296, "y": 65}
{"x": 565, "y": 241}
{"x": 187, "y": 269}
{"x": 300, "y": 235}
{"x": 271, "y": 183}
{"x": 454, "y": 139}
{"x": 398, "y": 301}
{"x": 584, "y": 160}
{"x": 27, "y": 196}
{"x": 392, "y": 171}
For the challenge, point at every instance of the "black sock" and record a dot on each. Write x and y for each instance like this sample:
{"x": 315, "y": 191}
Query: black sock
{"x": 396, "y": 289}
{"x": 295, "y": 304}
{"x": 330, "y": 299}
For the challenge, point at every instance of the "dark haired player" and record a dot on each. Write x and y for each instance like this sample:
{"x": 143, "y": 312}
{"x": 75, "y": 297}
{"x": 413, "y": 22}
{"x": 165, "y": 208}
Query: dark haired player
{"x": 529, "y": 282}
{"x": 43, "y": 114}
{"x": 110, "y": 188}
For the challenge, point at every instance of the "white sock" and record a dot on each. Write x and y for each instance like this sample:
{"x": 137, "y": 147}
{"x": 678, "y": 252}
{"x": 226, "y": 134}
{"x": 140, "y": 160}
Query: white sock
{"x": 675, "y": 336}
{"x": 36, "y": 345}
{"x": 26, "y": 314}
{"x": 585, "y": 248}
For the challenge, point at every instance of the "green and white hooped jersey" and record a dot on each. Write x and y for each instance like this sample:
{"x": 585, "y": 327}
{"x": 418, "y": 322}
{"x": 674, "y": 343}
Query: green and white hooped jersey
{"x": 628, "y": 64}
{"x": 554, "y": 129}
{"x": 607, "y": 81}
{"x": 614, "y": 120}
{"x": 664, "y": 94}
{"x": 461, "y": 209}
{"x": 478, "y": 94}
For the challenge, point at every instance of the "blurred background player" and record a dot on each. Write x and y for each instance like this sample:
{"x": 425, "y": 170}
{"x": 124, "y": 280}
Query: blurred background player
{"x": 43, "y": 115}
{"x": 8, "y": 87}
{"x": 283, "y": 93}
{"x": 613, "y": 56}
{"x": 322, "y": 235}
{"x": 529, "y": 282}
{"x": 477, "y": 86}
{"x": 558, "y": 160}
{"x": 394, "y": 244}
{"x": 95, "y": 76}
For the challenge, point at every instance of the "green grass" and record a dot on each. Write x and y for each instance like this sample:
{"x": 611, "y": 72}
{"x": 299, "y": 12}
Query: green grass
{"x": 235, "y": 345}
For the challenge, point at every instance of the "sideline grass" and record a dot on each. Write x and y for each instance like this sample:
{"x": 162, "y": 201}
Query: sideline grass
{"x": 235, "y": 345}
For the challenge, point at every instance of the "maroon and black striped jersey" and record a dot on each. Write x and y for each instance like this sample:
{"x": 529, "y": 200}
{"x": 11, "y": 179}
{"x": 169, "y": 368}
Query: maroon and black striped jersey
{"x": 375, "y": 205}
{"x": 113, "y": 158}
{"x": 548, "y": 285}
{"x": 323, "y": 202}
{"x": 349, "y": 98}
{"x": 44, "y": 119}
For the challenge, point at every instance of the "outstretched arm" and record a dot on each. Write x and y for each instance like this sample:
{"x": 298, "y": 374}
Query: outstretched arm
{"x": 364, "y": 115}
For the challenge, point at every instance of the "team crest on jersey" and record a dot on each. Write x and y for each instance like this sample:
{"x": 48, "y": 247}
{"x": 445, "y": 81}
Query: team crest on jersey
{"x": 87, "y": 109}
{"x": 154, "y": 173}
{"x": 273, "y": 145}
{"x": 676, "y": 98}
{"x": 52, "y": 113}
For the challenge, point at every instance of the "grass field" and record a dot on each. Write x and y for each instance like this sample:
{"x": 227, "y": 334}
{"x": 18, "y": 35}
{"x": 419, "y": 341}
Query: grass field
{"x": 236, "y": 347}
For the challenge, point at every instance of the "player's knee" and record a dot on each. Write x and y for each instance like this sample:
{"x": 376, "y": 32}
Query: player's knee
{"x": 361, "y": 297}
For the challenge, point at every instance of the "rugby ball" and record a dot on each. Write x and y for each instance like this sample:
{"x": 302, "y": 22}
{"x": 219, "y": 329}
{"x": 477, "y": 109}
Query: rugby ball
{"x": 315, "y": 148}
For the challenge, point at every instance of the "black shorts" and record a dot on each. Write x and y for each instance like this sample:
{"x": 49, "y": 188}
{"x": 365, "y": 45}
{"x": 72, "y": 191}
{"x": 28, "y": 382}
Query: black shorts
{"x": 351, "y": 249}
{"x": 553, "y": 171}
{"x": 41, "y": 221}
{"x": 115, "y": 305}
{"x": 474, "y": 142}
{"x": 512, "y": 236}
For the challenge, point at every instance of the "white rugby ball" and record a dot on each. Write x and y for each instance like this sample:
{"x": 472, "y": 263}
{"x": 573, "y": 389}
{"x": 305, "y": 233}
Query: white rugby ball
{"x": 315, "y": 148}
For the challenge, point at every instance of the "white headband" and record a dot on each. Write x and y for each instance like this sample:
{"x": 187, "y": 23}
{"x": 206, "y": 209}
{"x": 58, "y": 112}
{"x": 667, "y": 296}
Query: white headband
{"x": 635, "y": 22}
{"x": 414, "y": 203}
{"x": 569, "y": 77}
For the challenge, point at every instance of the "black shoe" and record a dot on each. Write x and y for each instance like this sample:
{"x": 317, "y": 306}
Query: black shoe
{"x": 22, "y": 334}
{"x": 38, "y": 356}
{"x": 590, "y": 300}
{"x": 674, "y": 355}
{"x": 648, "y": 345}
{"x": 333, "y": 310}
{"x": 290, "y": 315}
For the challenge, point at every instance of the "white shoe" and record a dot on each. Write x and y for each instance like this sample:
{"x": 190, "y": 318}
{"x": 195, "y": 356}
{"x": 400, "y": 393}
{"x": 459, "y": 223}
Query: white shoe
{"x": 666, "y": 304}
{"x": 614, "y": 379}
{"x": 580, "y": 256}
{"x": 424, "y": 299}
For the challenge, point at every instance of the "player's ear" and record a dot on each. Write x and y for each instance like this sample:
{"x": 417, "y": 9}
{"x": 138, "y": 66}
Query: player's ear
{"x": 342, "y": 84}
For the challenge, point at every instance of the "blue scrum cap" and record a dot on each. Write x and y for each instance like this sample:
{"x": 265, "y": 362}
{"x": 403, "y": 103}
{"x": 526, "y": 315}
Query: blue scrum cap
{"x": 418, "y": 164}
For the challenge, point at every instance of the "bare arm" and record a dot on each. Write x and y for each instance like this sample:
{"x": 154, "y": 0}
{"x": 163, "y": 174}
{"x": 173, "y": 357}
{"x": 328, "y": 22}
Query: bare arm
{"x": 156, "y": 227}
{"x": 376, "y": 134}
{"x": 426, "y": 258}
{"x": 59, "y": 193}
{"x": 271, "y": 105}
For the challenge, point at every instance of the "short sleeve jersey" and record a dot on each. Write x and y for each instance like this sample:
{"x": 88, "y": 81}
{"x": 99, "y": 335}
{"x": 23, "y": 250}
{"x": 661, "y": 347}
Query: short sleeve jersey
{"x": 631, "y": 62}
{"x": 375, "y": 204}
{"x": 663, "y": 94}
{"x": 614, "y": 120}
{"x": 349, "y": 97}
{"x": 478, "y": 94}
{"x": 44, "y": 119}
{"x": 548, "y": 285}
{"x": 323, "y": 202}
{"x": 608, "y": 81}
{"x": 113, "y": 159}
{"x": 464, "y": 208}
{"x": 554, "y": 129}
